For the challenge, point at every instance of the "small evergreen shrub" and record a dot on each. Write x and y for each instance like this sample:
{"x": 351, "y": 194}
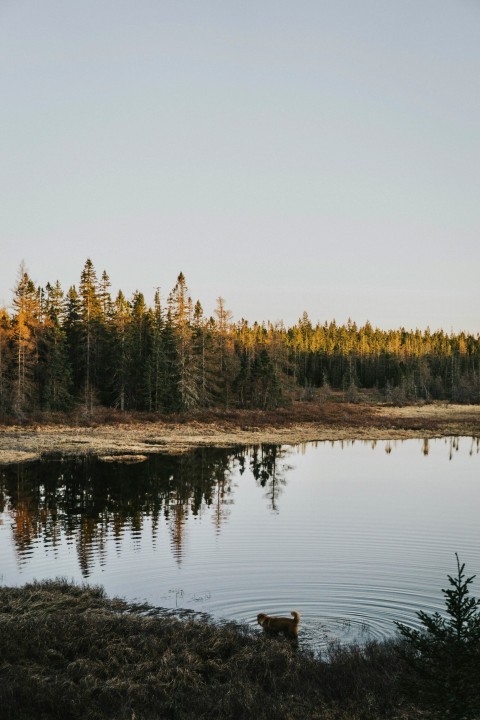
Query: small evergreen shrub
{"x": 444, "y": 656}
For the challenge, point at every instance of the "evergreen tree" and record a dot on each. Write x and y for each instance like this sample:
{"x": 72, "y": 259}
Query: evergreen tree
{"x": 56, "y": 375}
{"x": 242, "y": 384}
{"x": 445, "y": 654}
{"x": 104, "y": 344}
{"x": 171, "y": 398}
{"x": 257, "y": 384}
{"x": 138, "y": 351}
{"x": 120, "y": 356}
{"x": 189, "y": 370}
{"x": 204, "y": 349}
{"x": 104, "y": 296}
{"x": 156, "y": 366}
{"x": 91, "y": 314}
{"x": 265, "y": 386}
{"x": 26, "y": 326}
{"x": 74, "y": 338}
{"x": 5, "y": 360}
{"x": 228, "y": 362}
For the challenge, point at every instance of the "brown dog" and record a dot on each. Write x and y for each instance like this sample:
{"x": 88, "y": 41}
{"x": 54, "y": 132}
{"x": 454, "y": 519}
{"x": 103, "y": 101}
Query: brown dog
{"x": 277, "y": 625}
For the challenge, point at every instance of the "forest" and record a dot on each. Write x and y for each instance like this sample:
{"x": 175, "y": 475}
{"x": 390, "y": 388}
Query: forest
{"x": 84, "y": 348}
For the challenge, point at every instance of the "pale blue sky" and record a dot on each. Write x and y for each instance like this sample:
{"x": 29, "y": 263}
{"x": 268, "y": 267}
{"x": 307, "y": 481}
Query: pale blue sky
{"x": 289, "y": 156}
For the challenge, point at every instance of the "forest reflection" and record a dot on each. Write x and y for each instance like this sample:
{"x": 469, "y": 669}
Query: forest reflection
{"x": 84, "y": 502}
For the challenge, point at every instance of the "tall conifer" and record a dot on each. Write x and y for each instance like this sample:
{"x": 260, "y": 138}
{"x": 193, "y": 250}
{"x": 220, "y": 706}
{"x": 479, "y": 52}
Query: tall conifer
{"x": 26, "y": 327}
{"x": 91, "y": 312}
{"x": 189, "y": 370}
{"x": 156, "y": 366}
{"x": 120, "y": 351}
{"x": 56, "y": 375}
{"x": 5, "y": 360}
{"x": 74, "y": 337}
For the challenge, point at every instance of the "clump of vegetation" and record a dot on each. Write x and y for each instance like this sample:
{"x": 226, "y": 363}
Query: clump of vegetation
{"x": 444, "y": 656}
{"x": 69, "y": 652}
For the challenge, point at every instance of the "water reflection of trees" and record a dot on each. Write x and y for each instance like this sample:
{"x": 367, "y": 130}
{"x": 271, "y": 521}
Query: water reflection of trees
{"x": 451, "y": 441}
{"x": 268, "y": 472}
{"x": 85, "y": 502}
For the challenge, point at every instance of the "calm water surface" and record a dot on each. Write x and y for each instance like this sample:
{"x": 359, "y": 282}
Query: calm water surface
{"x": 353, "y": 535}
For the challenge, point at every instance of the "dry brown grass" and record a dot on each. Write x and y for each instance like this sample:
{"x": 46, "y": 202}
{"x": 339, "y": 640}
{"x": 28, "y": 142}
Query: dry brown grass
{"x": 111, "y": 433}
{"x": 68, "y": 652}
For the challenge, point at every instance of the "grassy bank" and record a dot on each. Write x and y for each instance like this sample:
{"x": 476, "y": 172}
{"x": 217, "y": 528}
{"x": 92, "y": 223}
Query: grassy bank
{"x": 116, "y": 433}
{"x": 70, "y": 652}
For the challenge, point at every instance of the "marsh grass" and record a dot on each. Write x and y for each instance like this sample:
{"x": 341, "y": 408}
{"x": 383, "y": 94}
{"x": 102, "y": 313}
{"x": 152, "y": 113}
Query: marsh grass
{"x": 67, "y": 651}
{"x": 115, "y": 433}
{"x": 367, "y": 408}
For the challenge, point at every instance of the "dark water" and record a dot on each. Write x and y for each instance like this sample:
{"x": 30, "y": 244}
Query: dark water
{"x": 353, "y": 535}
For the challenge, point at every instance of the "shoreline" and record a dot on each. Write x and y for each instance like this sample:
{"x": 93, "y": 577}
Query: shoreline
{"x": 71, "y": 651}
{"x": 330, "y": 422}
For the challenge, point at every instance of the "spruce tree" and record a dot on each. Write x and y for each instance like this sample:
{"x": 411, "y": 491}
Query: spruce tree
{"x": 171, "y": 398}
{"x": 265, "y": 391}
{"x": 445, "y": 654}
{"x": 189, "y": 370}
{"x": 104, "y": 296}
{"x": 155, "y": 371}
{"x": 74, "y": 337}
{"x": 120, "y": 351}
{"x": 138, "y": 334}
{"x": 5, "y": 360}
{"x": 204, "y": 349}
{"x": 227, "y": 360}
{"x": 91, "y": 312}
{"x": 26, "y": 329}
{"x": 56, "y": 375}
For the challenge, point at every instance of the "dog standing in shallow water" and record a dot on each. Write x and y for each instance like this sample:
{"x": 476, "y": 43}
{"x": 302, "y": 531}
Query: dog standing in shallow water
{"x": 277, "y": 625}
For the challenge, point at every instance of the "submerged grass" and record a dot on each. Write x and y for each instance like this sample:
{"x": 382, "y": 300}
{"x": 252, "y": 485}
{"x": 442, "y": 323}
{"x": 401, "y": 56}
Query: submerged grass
{"x": 68, "y": 651}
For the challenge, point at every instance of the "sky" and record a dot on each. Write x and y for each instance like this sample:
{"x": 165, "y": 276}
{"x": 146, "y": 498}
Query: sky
{"x": 298, "y": 156}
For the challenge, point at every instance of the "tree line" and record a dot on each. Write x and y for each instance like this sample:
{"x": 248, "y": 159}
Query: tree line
{"x": 84, "y": 347}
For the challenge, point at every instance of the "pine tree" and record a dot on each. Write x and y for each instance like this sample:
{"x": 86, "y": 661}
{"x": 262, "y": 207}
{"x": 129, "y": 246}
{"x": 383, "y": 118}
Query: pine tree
{"x": 74, "y": 338}
{"x": 204, "y": 349}
{"x": 138, "y": 351}
{"x": 56, "y": 375}
{"x": 242, "y": 389}
{"x": 5, "y": 360}
{"x": 265, "y": 386}
{"x": 156, "y": 372}
{"x": 171, "y": 398}
{"x": 120, "y": 357}
{"x": 104, "y": 296}
{"x": 445, "y": 654}
{"x": 189, "y": 371}
{"x": 228, "y": 362}
{"x": 26, "y": 327}
{"x": 91, "y": 312}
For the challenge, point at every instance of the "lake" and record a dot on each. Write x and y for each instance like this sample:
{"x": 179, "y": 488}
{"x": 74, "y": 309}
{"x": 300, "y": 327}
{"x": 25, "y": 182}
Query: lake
{"x": 353, "y": 535}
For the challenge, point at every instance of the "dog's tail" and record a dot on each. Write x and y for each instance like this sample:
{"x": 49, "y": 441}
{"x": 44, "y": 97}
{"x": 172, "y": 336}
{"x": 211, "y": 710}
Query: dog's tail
{"x": 296, "y": 616}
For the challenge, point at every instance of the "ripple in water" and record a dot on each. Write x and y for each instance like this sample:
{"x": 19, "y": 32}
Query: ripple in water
{"x": 352, "y": 539}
